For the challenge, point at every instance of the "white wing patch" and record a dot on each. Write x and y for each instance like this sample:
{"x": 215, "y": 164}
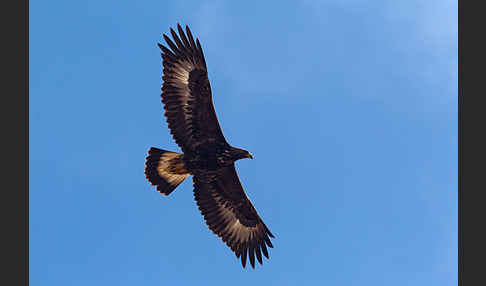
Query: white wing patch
{"x": 233, "y": 225}
{"x": 181, "y": 72}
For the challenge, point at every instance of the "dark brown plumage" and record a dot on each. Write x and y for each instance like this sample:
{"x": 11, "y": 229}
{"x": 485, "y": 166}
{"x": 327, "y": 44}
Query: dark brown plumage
{"x": 188, "y": 105}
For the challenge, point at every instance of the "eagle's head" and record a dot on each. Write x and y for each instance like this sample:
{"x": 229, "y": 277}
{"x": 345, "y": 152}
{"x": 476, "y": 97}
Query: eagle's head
{"x": 238, "y": 153}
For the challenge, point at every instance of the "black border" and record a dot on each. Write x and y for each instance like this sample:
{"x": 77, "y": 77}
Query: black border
{"x": 26, "y": 140}
{"x": 471, "y": 145}
{"x": 15, "y": 147}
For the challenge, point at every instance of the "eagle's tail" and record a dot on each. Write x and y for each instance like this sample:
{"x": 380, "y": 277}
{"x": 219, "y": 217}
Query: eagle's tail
{"x": 165, "y": 169}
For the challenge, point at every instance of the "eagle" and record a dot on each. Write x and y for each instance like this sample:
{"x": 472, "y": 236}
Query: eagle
{"x": 206, "y": 155}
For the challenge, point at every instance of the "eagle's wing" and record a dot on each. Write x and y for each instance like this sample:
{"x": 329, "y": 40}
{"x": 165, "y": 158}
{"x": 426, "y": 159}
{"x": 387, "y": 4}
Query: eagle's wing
{"x": 229, "y": 214}
{"x": 186, "y": 92}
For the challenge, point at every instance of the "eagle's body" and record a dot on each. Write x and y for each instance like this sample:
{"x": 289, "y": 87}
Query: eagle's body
{"x": 187, "y": 99}
{"x": 212, "y": 156}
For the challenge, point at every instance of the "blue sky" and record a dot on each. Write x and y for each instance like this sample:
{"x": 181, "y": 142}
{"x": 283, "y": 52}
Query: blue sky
{"x": 349, "y": 108}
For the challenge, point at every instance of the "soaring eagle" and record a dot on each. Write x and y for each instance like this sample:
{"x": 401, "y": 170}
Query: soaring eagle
{"x": 187, "y": 100}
